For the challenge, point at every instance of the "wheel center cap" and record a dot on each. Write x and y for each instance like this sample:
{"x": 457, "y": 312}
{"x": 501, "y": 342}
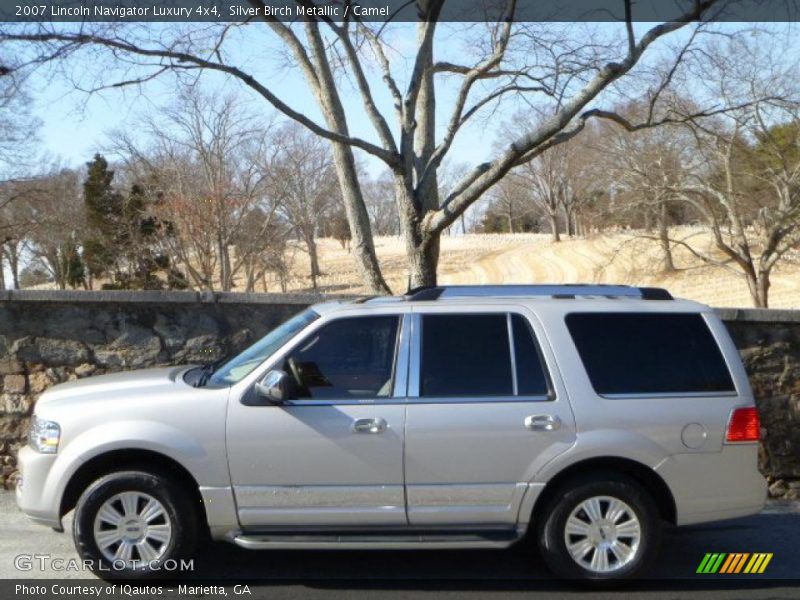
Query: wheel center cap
{"x": 132, "y": 529}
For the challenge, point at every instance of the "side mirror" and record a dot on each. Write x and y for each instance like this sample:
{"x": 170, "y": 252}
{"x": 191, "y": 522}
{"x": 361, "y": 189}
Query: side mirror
{"x": 274, "y": 387}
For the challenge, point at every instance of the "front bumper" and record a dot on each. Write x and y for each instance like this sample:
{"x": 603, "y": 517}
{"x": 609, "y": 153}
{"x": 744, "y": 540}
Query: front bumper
{"x": 32, "y": 496}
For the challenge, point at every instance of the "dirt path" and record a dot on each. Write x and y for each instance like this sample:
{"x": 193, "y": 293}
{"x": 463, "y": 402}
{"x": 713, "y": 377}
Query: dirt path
{"x": 624, "y": 260}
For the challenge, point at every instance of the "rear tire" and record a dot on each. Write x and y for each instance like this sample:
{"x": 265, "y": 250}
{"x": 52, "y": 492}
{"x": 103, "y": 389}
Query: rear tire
{"x": 601, "y": 528}
{"x": 135, "y": 525}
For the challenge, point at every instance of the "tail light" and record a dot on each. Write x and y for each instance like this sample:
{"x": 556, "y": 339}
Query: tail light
{"x": 744, "y": 425}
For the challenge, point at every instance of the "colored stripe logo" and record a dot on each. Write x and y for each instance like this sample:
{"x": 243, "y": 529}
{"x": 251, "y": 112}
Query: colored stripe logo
{"x": 734, "y": 563}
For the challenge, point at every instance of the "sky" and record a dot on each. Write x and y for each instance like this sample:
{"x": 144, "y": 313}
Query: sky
{"x": 76, "y": 125}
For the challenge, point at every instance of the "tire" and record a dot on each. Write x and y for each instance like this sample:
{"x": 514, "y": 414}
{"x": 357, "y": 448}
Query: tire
{"x": 614, "y": 529}
{"x": 131, "y": 525}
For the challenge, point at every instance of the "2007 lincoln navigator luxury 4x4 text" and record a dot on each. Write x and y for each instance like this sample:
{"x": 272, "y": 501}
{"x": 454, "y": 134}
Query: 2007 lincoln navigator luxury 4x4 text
{"x": 582, "y": 417}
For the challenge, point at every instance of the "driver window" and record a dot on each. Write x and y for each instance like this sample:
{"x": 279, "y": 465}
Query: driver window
{"x": 347, "y": 358}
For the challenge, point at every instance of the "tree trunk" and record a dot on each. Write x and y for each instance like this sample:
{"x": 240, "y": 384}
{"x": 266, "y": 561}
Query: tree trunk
{"x": 423, "y": 263}
{"x": 13, "y": 264}
{"x": 2, "y": 270}
{"x": 223, "y": 271}
{"x": 313, "y": 257}
{"x": 344, "y": 161}
{"x": 422, "y": 251}
{"x": 663, "y": 238}
{"x": 763, "y": 289}
{"x": 758, "y": 284}
{"x": 556, "y": 236}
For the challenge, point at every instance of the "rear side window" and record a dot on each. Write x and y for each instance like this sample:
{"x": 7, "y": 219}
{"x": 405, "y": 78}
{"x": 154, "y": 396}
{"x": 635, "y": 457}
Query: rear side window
{"x": 470, "y": 355}
{"x": 531, "y": 379}
{"x": 649, "y": 353}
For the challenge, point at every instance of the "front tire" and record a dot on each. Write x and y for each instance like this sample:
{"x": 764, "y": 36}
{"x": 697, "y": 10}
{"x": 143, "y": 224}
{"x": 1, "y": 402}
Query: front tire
{"x": 134, "y": 525}
{"x": 600, "y": 528}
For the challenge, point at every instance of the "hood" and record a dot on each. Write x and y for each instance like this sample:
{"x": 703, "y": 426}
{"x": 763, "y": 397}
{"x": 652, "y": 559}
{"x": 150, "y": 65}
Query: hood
{"x": 116, "y": 385}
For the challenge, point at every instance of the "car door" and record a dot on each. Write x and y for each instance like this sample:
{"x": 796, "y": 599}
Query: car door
{"x": 483, "y": 412}
{"x": 331, "y": 455}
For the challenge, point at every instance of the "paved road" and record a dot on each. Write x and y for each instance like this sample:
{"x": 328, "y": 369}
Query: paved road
{"x": 484, "y": 575}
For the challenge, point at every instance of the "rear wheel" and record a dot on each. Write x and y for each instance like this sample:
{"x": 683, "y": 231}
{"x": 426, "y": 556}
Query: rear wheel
{"x": 600, "y": 529}
{"x": 135, "y": 525}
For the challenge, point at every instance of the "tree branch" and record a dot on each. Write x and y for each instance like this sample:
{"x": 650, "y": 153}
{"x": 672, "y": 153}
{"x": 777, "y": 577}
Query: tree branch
{"x": 184, "y": 57}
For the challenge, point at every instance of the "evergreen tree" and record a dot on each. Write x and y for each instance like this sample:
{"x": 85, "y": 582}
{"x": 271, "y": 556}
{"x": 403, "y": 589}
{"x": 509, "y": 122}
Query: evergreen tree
{"x": 103, "y": 210}
{"x": 73, "y": 269}
{"x": 103, "y": 205}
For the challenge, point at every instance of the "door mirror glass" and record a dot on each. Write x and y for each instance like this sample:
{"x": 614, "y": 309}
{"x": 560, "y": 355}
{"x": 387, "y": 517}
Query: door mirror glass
{"x": 274, "y": 387}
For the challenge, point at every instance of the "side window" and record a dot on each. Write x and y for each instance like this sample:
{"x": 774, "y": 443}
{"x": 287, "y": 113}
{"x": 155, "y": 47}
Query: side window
{"x": 531, "y": 378}
{"x": 347, "y": 358}
{"x": 465, "y": 355}
{"x": 649, "y": 353}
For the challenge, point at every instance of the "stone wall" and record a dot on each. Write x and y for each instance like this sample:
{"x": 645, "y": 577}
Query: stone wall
{"x": 48, "y": 337}
{"x": 769, "y": 343}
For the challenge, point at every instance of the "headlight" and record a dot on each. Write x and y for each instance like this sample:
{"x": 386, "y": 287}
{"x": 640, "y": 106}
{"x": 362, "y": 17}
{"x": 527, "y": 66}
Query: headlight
{"x": 44, "y": 435}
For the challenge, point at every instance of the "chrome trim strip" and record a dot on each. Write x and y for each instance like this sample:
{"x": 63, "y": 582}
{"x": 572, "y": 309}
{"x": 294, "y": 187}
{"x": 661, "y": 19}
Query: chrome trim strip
{"x": 648, "y": 396}
{"x": 415, "y": 356}
{"x": 402, "y": 359}
{"x": 454, "y": 495}
{"x": 300, "y": 497}
{"x": 362, "y": 516}
{"x": 341, "y": 543}
{"x": 513, "y": 350}
{"x": 413, "y": 400}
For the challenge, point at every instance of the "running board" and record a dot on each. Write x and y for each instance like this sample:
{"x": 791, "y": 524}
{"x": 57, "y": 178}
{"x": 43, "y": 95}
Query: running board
{"x": 379, "y": 541}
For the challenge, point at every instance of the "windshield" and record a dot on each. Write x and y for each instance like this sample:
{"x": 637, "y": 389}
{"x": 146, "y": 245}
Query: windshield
{"x": 243, "y": 364}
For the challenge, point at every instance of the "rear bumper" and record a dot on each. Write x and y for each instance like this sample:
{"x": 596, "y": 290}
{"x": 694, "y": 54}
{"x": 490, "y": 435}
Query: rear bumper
{"x": 715, "y": 486}
{"x": 32, "y": 498}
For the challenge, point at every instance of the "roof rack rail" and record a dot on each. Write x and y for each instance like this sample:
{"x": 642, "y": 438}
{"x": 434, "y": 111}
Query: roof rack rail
{"x": 568, "y": 290}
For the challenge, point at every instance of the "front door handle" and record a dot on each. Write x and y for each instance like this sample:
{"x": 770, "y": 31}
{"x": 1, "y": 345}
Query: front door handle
{"x": 376, "y": 425}
{"x": 542, "y": 422}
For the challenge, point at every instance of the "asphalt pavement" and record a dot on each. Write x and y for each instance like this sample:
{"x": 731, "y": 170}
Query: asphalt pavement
{"x": 478, "y": 574}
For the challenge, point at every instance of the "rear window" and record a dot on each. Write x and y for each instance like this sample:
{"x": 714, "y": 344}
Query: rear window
{"x": 649, "y": 353}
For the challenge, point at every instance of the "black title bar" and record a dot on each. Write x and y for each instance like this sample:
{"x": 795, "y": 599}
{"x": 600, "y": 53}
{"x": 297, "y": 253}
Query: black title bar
{"x": 390, "y": 10}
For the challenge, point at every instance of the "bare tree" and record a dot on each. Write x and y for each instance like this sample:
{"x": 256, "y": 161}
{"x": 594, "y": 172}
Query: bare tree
{"x": 301, "y": 178}
{"x": 538, "y": 61}
{"x": 200, "y": 160}
{"x": 261, "y": 246}
{"x": 51, "y": 206}
{"x": 647, "y": 167}
{"x": 381, "y": 204}
{"x": 546, "y": 182}
{"x": 510, "y": 202}
{"x": 18, "y": 127}
{"x": 745, "y": 179}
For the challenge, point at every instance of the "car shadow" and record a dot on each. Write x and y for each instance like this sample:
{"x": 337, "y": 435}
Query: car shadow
{"x": 518, "y": 568}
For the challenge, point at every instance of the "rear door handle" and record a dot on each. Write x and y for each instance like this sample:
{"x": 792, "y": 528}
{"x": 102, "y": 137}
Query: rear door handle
{"x": 376, "y": 425}
{"x": 542, "y": 422}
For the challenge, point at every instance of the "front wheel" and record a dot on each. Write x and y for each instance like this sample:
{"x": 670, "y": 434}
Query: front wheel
{"x": 600, "y": 529}
{"x": 135, "y": 525}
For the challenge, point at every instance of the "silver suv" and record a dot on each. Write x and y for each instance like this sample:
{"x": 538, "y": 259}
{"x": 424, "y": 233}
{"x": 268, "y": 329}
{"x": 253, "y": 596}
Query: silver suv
{"x": 581, "y": 417}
